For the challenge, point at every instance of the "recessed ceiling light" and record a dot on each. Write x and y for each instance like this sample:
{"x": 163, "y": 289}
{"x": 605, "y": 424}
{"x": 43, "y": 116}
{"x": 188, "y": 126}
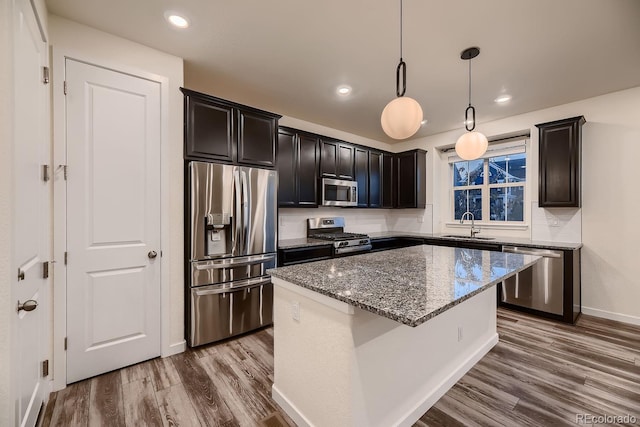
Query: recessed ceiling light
{"x": 176, "y": 20}
{"x": 502, "y": 99}
{"x": 344, "y": 90}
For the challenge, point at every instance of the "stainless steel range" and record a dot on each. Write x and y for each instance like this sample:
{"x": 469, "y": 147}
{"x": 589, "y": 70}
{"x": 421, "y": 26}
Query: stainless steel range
{"x": 332, "y": 229}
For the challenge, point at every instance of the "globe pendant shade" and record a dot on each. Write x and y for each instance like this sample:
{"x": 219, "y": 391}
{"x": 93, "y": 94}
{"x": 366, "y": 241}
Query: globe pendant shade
{"x": 471, "y": 145}
{"x": 401, "y": 118}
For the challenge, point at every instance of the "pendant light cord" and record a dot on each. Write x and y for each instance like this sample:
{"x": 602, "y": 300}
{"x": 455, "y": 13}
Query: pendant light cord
{"x": 469, "y": 82}
{"x": 401, "y": 71}
{"x": 401, "y": 30}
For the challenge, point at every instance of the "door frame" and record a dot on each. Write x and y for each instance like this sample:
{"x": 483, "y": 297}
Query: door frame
{"x": 59, "y": 56}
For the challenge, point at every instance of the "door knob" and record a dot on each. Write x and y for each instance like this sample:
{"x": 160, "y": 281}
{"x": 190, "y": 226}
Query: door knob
{"x": 28, "y": 305}
{"x": 152, "y": 254}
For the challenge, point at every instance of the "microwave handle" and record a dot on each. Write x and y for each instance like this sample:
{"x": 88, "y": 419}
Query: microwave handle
{"x": 354, "y": 194}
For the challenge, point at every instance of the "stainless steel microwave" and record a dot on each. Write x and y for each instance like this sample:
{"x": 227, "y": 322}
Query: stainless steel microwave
{"x": 338, "y": 192}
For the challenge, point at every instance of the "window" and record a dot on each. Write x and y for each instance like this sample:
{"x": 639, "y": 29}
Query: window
{"x": 492, "y": 189}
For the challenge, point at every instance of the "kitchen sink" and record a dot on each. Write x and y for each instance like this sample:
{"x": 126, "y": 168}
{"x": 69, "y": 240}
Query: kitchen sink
{"x": 459, "y": 236}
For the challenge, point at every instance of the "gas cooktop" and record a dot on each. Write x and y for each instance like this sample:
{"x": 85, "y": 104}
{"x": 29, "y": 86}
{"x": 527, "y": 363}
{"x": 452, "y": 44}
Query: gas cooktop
{"x": 332, "y": 229}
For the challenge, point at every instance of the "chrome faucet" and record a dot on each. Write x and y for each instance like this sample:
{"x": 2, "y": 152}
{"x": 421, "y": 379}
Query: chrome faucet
{"x": 473, "y": 228}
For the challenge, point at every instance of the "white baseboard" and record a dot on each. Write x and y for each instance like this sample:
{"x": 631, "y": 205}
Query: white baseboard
{"x": 442, "y": 389}
{"x": 175, "y": 348}
{"x": 422, "y": 406}
{"x": 624, "y": 318}
{"x": 289, "y": 408}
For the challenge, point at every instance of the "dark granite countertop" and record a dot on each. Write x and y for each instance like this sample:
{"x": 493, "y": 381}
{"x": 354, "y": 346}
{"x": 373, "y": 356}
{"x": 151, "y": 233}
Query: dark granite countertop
{"x": 408, "y": 285}
{"x": 514, "y": 241}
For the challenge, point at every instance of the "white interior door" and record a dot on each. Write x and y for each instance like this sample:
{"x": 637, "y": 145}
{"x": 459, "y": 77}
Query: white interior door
{"x": 113, "y": 219}
{"x": 32, "y": 213}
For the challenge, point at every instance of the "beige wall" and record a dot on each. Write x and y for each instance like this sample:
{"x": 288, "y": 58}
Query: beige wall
{"x": 6, "y": 178}
{"x": 607, "y": 221}
{"x": 103, "y": 48}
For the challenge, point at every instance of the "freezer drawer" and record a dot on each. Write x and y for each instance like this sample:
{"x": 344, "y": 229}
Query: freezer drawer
{"x": 539, "y": 287}
{"x": 222, "y": 311}
{"x": 230, "y": 269}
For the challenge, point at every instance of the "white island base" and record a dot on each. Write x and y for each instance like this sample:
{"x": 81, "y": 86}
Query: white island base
{"x": 339, "y": 365}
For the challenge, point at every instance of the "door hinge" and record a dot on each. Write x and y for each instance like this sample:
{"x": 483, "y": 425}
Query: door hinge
{"x": 45, "y": 75}
{"x": 45, "y": 270}
{"x": 45, "y": 368}
{"x": 45, "y": 173}
{"x": 66, "y": 254}
{"x": 65, "y": 343}
{"x": 64, "y": 87}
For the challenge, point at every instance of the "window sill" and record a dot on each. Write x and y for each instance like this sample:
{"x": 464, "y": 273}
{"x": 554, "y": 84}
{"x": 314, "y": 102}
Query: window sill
{"x": 488, "y": 226}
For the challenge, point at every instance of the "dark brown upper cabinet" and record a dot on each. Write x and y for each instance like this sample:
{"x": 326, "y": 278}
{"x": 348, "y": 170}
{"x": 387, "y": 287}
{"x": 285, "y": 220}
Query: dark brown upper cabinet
{"x": 375, "y": 178}
{"x": 411, "y": 179}
{"x": 559, "y": 163}
{"x": 337, "y": 160}
{"x": 388, "y": 181}
{"x": 361, "y": 169}
{"x": 297, "y": 166}
{"x": 223, "y": 131}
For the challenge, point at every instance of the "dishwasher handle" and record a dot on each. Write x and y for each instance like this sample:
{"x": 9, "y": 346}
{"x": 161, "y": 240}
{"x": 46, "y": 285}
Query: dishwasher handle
{"x": 531, "y": 251}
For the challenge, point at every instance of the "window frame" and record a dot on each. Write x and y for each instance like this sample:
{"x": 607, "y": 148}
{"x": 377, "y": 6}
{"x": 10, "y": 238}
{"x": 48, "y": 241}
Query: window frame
{"x": 520, "y": 147}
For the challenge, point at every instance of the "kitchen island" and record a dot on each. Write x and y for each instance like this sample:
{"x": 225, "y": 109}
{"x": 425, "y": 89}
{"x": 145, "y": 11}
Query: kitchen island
{"x": 376, "y": 339}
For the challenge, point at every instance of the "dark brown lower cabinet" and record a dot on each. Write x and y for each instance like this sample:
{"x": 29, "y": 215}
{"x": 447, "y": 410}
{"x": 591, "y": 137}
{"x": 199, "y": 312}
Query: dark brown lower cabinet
{"x": 293, "y": 256}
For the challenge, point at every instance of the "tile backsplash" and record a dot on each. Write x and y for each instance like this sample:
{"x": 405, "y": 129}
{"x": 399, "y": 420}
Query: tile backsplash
{"x": 556, "y": 224}
{"x": 292, "y": 222}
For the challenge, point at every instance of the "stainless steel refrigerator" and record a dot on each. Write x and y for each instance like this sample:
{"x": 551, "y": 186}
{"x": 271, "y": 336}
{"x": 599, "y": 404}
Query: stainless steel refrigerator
{"x": 231, "y": 242}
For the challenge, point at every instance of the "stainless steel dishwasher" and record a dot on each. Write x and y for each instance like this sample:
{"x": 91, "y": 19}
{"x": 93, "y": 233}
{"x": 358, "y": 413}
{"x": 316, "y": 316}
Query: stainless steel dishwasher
{"x": 539, "y": 287}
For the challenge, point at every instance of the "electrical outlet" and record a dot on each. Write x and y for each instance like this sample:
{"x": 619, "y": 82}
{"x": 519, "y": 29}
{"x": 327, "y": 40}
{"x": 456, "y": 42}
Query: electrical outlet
{"x": 295, "y": 310}
{"x": 459, "y": 333}
{"x": 420, "y": 219}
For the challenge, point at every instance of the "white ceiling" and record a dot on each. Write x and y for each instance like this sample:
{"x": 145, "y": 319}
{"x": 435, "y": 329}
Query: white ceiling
{"x": 288, "y": 56}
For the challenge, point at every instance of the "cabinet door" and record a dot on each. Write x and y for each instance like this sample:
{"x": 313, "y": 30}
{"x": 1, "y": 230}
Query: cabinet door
{"x": 375, "y": 179}
{"x": 329, "y": 161}
{"x": 362, "y": 176}
{"x": 406, "y": 179}
{"x": 307, "y": 175}
{"x": 388, "y": 181}
{"x": 346, "y": 160}
{"x": 559, "y": 177}
{"x": 257, "y": 139}
{"x": 287, "y": 159}
{"x": 411, "y": 171}
{"x": 209, "y": 130}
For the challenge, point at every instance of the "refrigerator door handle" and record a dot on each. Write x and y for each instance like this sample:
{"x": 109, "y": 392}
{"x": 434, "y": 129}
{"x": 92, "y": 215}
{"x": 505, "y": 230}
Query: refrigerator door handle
{"x": 246, "y": 212}
{"x": 232, "y": 286}
{"x": 233, "y": 262}
{"x": 237, "y": 214}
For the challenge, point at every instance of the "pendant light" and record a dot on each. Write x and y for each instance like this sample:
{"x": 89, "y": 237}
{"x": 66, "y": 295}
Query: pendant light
{"x": 471, "y": 145}
{"x": 402, "y": 116}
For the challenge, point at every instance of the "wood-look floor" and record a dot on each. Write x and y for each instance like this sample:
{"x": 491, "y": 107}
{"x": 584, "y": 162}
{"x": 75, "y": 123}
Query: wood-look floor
{"x": 541, "y": 373}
